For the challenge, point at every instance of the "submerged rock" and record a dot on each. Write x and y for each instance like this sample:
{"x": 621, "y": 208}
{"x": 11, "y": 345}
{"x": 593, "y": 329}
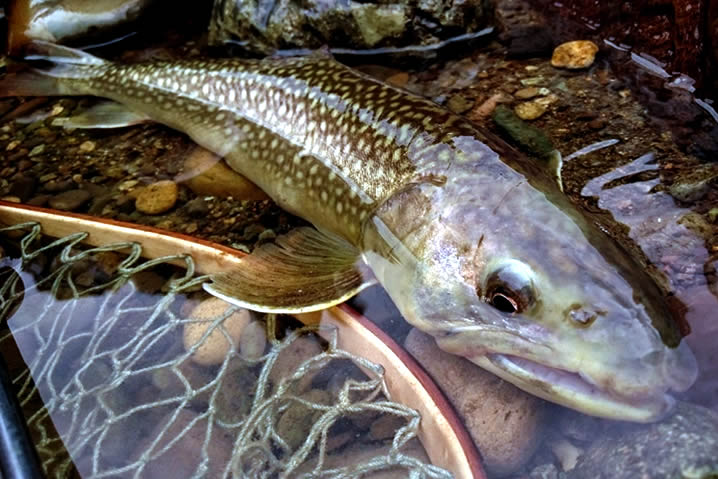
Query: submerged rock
{"x": 574, "y": 55}
{"x": 683, "y": 445}
{"x": 504, "y": 421}
{"x": 157, "y": 198}
{"x": 205, "y": 174}
{"x": 70, "y": 200}
{"x": 267, "y": 25}
{"x": 221, "y": 339}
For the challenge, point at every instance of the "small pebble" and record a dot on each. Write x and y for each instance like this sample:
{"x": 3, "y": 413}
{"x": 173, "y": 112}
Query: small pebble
{"x": 597, "y": 124}
{"x": 527, "y": 93}
{"x": 37, "y": 150}
{"x": 40, "y": 200}
{"x": 127, "y": 185}
{"x": 157, "y": 198}
{"x": 70, "y": 200}
{"x": 575, "y": 54}
{"x": 253, "y": 340}
{"x": 529, "y": 110}
{"x": 214, "y": 348}
{"x": 87, "y": 146}
{"x": 197, "y": 208}
{"x": 459, "y": 104}
{"x": 399, "y": 79}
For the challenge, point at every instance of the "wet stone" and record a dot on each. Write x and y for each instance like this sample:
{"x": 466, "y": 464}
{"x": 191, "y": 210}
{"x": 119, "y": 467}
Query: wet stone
{"x": 544, "y": 471}
{"x": 297, "y": 420}
{"x": 312, "y": 23}
{"x": 197, "y": 208}
{"x": 292, "y": 357}
{"x": 23, "y": 187}
{"x": 54, "y": 186}
{"x": 523, "y": 29}
{"x": 529, "y": 110}
{"x": 253, "y": 340}
{"x": 70, "y": 200}
{"x": 208, "y": 176}
{"x": 385, "y": 427}
{"x": 459, "y": 104}
{"x": 221, "y": 339}
{"x": 87, "y": 146}
{"x": 574, "y": 55}
{"x": 504, "y": 422}
{"x": 37, "y": 150}
{"x": 40, "y": 200}
{"x": 527, "y": 93}
{"x": 684, "y": 444}
{"x": 157, "y": 198}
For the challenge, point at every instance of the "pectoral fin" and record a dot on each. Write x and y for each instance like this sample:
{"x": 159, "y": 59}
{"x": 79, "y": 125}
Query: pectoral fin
{"x": 106, "y": 114}
{"x": 303, "y": 271}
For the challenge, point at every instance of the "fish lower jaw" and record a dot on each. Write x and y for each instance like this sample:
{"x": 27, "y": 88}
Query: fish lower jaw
{"x": 570, "y": 389}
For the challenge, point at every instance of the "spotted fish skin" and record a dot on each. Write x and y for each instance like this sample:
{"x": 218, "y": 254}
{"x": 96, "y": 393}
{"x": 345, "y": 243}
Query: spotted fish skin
{"x": 326, "y": 142}
{"x": 474, "y": 243}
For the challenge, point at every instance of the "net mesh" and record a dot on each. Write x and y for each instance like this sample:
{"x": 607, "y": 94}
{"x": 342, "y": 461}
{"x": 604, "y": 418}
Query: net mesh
{"x": 110, "y": 389}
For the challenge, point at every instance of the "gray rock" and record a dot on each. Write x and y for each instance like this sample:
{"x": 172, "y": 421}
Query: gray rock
{"x": 684, "y": 445}
{"x": 267, "y": 25}
{"x": 505, "y": 422}
{"x": 70, "y": 200}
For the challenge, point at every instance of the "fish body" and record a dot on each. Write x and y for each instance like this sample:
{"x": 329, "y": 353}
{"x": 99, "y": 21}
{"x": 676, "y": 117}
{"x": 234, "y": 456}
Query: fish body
{"x": 474, "y": 243}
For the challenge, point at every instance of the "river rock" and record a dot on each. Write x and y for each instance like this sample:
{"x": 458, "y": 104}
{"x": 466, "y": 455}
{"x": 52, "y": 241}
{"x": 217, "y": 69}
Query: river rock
{"x": 504, "y": 422}
{"x": 157, "y": 198}
{"x": 574, "y": 55}
{"x": 187, "y": 443}
{"x": 529, "y": 110}
{"x": 205, "y": 174}
{"x": 358, "y": 454}
{"x": 70, "y": 200}
{"x": 214, "y": 348}
{"x": 266, "y": 25}
{"x": 292, "y": 357}
{"x": 684, "y": 445}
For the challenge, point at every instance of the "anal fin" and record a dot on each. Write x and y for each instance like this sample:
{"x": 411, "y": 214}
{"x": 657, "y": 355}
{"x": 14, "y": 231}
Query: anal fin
{"x": 303, "y": 271}
{"x": 106, "y": 114}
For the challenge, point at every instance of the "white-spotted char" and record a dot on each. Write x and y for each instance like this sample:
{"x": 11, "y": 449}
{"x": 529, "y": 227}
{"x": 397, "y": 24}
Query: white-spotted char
{"x": 475, "y": 244}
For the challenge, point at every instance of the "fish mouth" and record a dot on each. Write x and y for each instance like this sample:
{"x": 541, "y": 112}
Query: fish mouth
{"x": 576, "y": 391}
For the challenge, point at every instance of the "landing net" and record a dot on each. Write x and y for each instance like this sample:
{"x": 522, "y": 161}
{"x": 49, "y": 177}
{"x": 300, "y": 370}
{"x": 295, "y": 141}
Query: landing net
{"x": 94, "y": 341}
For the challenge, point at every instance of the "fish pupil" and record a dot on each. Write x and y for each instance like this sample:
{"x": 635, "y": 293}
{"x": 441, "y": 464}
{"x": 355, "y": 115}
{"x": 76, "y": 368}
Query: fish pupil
{"x": 503, "y": 302}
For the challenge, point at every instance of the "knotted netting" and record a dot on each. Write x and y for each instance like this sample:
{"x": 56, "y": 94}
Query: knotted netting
{"x": 96, "y": 342}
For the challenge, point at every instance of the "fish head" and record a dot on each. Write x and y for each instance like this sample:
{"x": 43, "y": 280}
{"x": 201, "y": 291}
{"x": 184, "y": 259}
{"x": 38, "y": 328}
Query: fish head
{"x": 524, "y": 286}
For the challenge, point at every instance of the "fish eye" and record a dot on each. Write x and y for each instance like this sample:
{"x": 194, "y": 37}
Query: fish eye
{"x": 510, "y": 288}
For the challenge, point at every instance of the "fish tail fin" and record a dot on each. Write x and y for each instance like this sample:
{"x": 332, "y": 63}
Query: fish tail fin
{"x": 60, "y": 55}
{"x": 52, "y": 65}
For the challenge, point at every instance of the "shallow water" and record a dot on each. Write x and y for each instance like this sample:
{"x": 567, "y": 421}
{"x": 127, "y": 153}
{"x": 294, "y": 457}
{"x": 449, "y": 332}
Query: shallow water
{"x": 648, "y": 186}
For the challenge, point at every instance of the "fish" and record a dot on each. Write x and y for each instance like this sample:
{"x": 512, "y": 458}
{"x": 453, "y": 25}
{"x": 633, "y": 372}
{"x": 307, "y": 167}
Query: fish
{"x": 474, "y": 242}
{"x": 69, "y": 20}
